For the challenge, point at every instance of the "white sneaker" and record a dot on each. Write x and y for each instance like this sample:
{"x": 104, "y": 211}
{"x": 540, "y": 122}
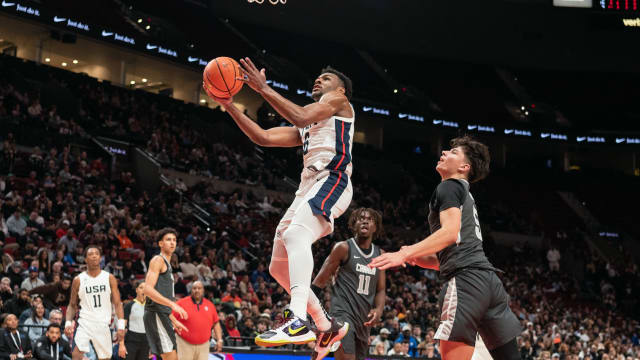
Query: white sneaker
{"x": 293, "y": 331}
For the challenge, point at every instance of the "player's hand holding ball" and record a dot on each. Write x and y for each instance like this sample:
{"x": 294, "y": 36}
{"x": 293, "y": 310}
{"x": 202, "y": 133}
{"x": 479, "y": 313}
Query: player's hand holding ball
{"x": 222, "y": 78}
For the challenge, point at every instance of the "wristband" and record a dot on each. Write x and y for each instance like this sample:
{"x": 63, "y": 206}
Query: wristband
{"x": 122, "y": 324}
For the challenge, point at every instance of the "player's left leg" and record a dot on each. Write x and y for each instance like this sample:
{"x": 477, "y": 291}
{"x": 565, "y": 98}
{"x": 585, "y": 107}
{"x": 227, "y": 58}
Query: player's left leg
{"x": 101, "y": 342}
{"x": 500, "y": 326}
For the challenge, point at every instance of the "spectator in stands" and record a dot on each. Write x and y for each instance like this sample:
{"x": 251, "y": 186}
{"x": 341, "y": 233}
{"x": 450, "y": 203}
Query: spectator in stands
{"x": 397, "y": 350}
{"x": 125, "y": 242}
{"x": 37, "y": 300}
{"x": 230, "y": 329}
{"x": 52, "y": 346}
{"x": 382, "y": 338}
{"x": 17, "y": 225}
{"x": 238, "y": 264}
{"x": 553, "y": 256}
{"x": 6, "y": 292}
{"x": 56, "y": 294}
{"x": 15, "y": 273}
{"x": 407, "y": 337}
{"x": 33, "y": 281}
{"x": 38, "y": 321}
{"x": 19, "y": 303}
{"x": 13, "y": 342}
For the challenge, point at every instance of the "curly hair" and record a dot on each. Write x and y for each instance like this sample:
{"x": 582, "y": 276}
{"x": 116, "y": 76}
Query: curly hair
{"x": 377, "y": 219}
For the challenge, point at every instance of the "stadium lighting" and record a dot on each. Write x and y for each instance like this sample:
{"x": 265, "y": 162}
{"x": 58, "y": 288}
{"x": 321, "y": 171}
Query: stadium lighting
{"x": 133, "y": 82}
{"x": 522, "y": 108}
{"x": 526, "y": 113}
{"x": 75, "y": 61}
{"x": 139, "y": 21}
{"x": 47, "y": 59}
{"x": 395, "y": 91}
{"x": 144, "y": 80}
{"x": 148, "y": 27}
{"x": 64, "y": 64}
{"x": 202, "y": 101}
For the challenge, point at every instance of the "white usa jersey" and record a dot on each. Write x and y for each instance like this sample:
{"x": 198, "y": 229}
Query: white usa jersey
{"x": 327, "y": 144}
{"x": 95, "y": 298}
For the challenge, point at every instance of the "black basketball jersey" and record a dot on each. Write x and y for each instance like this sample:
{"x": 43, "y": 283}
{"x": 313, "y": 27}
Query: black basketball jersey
{"x": 355, "y": 287}
{"x": 164, "y": 286}
{"x": 467, "y": 252}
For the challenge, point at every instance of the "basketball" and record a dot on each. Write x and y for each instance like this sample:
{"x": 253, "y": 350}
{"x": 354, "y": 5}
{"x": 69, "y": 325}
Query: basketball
{"x": 220, "y": 77}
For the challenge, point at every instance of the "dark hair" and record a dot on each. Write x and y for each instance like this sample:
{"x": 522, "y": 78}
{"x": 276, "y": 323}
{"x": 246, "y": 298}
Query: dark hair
{"x": 138, "y": 283}
{"x": 477, "y": 154}
{"x": 164, "y": 231}
{"x": 377, "y": 219}
{"x": 92, "y": 246}
{"x": 346, "y": 82}
{"x": 54, "y": 325}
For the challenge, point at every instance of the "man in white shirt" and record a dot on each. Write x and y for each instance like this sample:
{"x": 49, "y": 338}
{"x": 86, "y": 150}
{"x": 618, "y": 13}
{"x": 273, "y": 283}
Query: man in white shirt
{"x": 33, "y": 281}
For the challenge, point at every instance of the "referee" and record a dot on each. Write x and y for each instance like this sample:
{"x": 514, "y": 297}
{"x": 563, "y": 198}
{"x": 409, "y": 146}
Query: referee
{"x": 202, "y": 318}
{"x": 135, "y": 345}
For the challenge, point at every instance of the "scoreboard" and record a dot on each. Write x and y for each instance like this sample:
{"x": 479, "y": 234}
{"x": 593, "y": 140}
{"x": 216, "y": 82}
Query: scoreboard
{"x": 626, "y": 6}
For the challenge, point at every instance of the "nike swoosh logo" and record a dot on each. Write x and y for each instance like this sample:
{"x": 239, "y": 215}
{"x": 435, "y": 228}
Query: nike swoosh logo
{"x": 581, "y": 138}
{"x": 151, "y": 47}
{"x": 402, "y": 116}
{"x": 437, "y": 122}
{"x": 7, "y": 4}
{"x": 105, "y": 33}
{"x": 56, "y": 19}
{"x": 192, "y": 59}
{"x": 507, "y": 131}
{"x": 299, "y": 92}
{"x": 325, "y": 343}
{"x": 356, "y": 257}
{"x": 472, "y": 127}
{"x": 544, "y": 135}
{"x": 618, "y": 141}
{"x": 294, "y": 332}
{"x": 269, "y": 81}
{"x": 366, "y": 108}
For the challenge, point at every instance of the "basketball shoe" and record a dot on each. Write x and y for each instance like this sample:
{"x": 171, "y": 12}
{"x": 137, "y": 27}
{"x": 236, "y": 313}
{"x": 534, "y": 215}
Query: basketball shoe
{"x": 294, "y": 330}
{"x": 328, "y": 338}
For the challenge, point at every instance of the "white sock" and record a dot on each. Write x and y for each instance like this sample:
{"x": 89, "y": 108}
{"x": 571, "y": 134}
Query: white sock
{"x": 298, "y": 240}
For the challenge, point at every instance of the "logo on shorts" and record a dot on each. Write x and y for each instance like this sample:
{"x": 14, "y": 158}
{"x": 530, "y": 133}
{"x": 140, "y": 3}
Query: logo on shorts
{"x": 206, "y": 308}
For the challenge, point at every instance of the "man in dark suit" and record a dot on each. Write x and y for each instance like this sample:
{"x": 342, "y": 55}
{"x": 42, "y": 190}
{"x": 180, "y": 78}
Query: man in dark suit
{"x": 13, "y": 343}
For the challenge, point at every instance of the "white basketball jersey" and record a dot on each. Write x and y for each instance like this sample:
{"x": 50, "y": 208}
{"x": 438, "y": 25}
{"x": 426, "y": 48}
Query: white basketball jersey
{"x": 327, "y": 144}
{"x": 95, "y": 298}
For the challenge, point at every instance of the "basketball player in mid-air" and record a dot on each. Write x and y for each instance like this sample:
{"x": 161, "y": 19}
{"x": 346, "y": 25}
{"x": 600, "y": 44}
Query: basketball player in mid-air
{"x": 95, "y": 291}
{"x": 159, "y": 323}
{"x": 473, "y": 300}
{"x": 325, "y": 129}
{"x": 358, "y": 291}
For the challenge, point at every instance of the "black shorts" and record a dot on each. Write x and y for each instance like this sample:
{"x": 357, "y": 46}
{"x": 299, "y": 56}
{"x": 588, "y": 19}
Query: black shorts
{"x": 160, "y": 334}
{"x": 474, "y": 301}
{"x": 351, "y": 343}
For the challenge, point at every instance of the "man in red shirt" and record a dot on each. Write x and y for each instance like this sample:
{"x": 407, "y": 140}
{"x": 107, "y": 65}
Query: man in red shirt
{"x": 203, "y": 317}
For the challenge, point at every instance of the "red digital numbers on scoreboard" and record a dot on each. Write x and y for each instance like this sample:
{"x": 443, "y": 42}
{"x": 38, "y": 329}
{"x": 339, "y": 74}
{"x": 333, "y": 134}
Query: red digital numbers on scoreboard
{"x": 619, "y": 5}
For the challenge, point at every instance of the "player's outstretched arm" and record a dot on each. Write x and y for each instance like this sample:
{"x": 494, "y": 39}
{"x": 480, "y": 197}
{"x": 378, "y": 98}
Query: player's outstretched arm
{"x": 72, "y": 308}
{"x": 447, "y": 235}
{"x": 338, "y": 255}
{"x": 426, "y": 261}
{"x": 297, "y": 115}
{"x": 117, "y": 303}
{"x": 155, "y": 267}
{"x": 275, "y": 137}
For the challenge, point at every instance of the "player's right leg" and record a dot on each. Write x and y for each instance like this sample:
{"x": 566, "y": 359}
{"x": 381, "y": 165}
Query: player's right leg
{"x": 160, "y": 335}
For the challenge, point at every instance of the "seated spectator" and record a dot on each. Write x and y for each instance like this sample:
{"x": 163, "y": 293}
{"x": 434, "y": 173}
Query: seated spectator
{"x": 37, "y": 318}
{"x": 28, "y": 312}
{"x": 57, "y": 294}
{"x": 52, "y": 346}
{"x": 19, "y": 303}
{"x": 6, "y": 292}
{"x": 382, "y": 338}
{"x": 13, "y": 343}
{"x": 397, "y": 350}
{"x": 125, "y": 242}
{"x": 33, "y": 281}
